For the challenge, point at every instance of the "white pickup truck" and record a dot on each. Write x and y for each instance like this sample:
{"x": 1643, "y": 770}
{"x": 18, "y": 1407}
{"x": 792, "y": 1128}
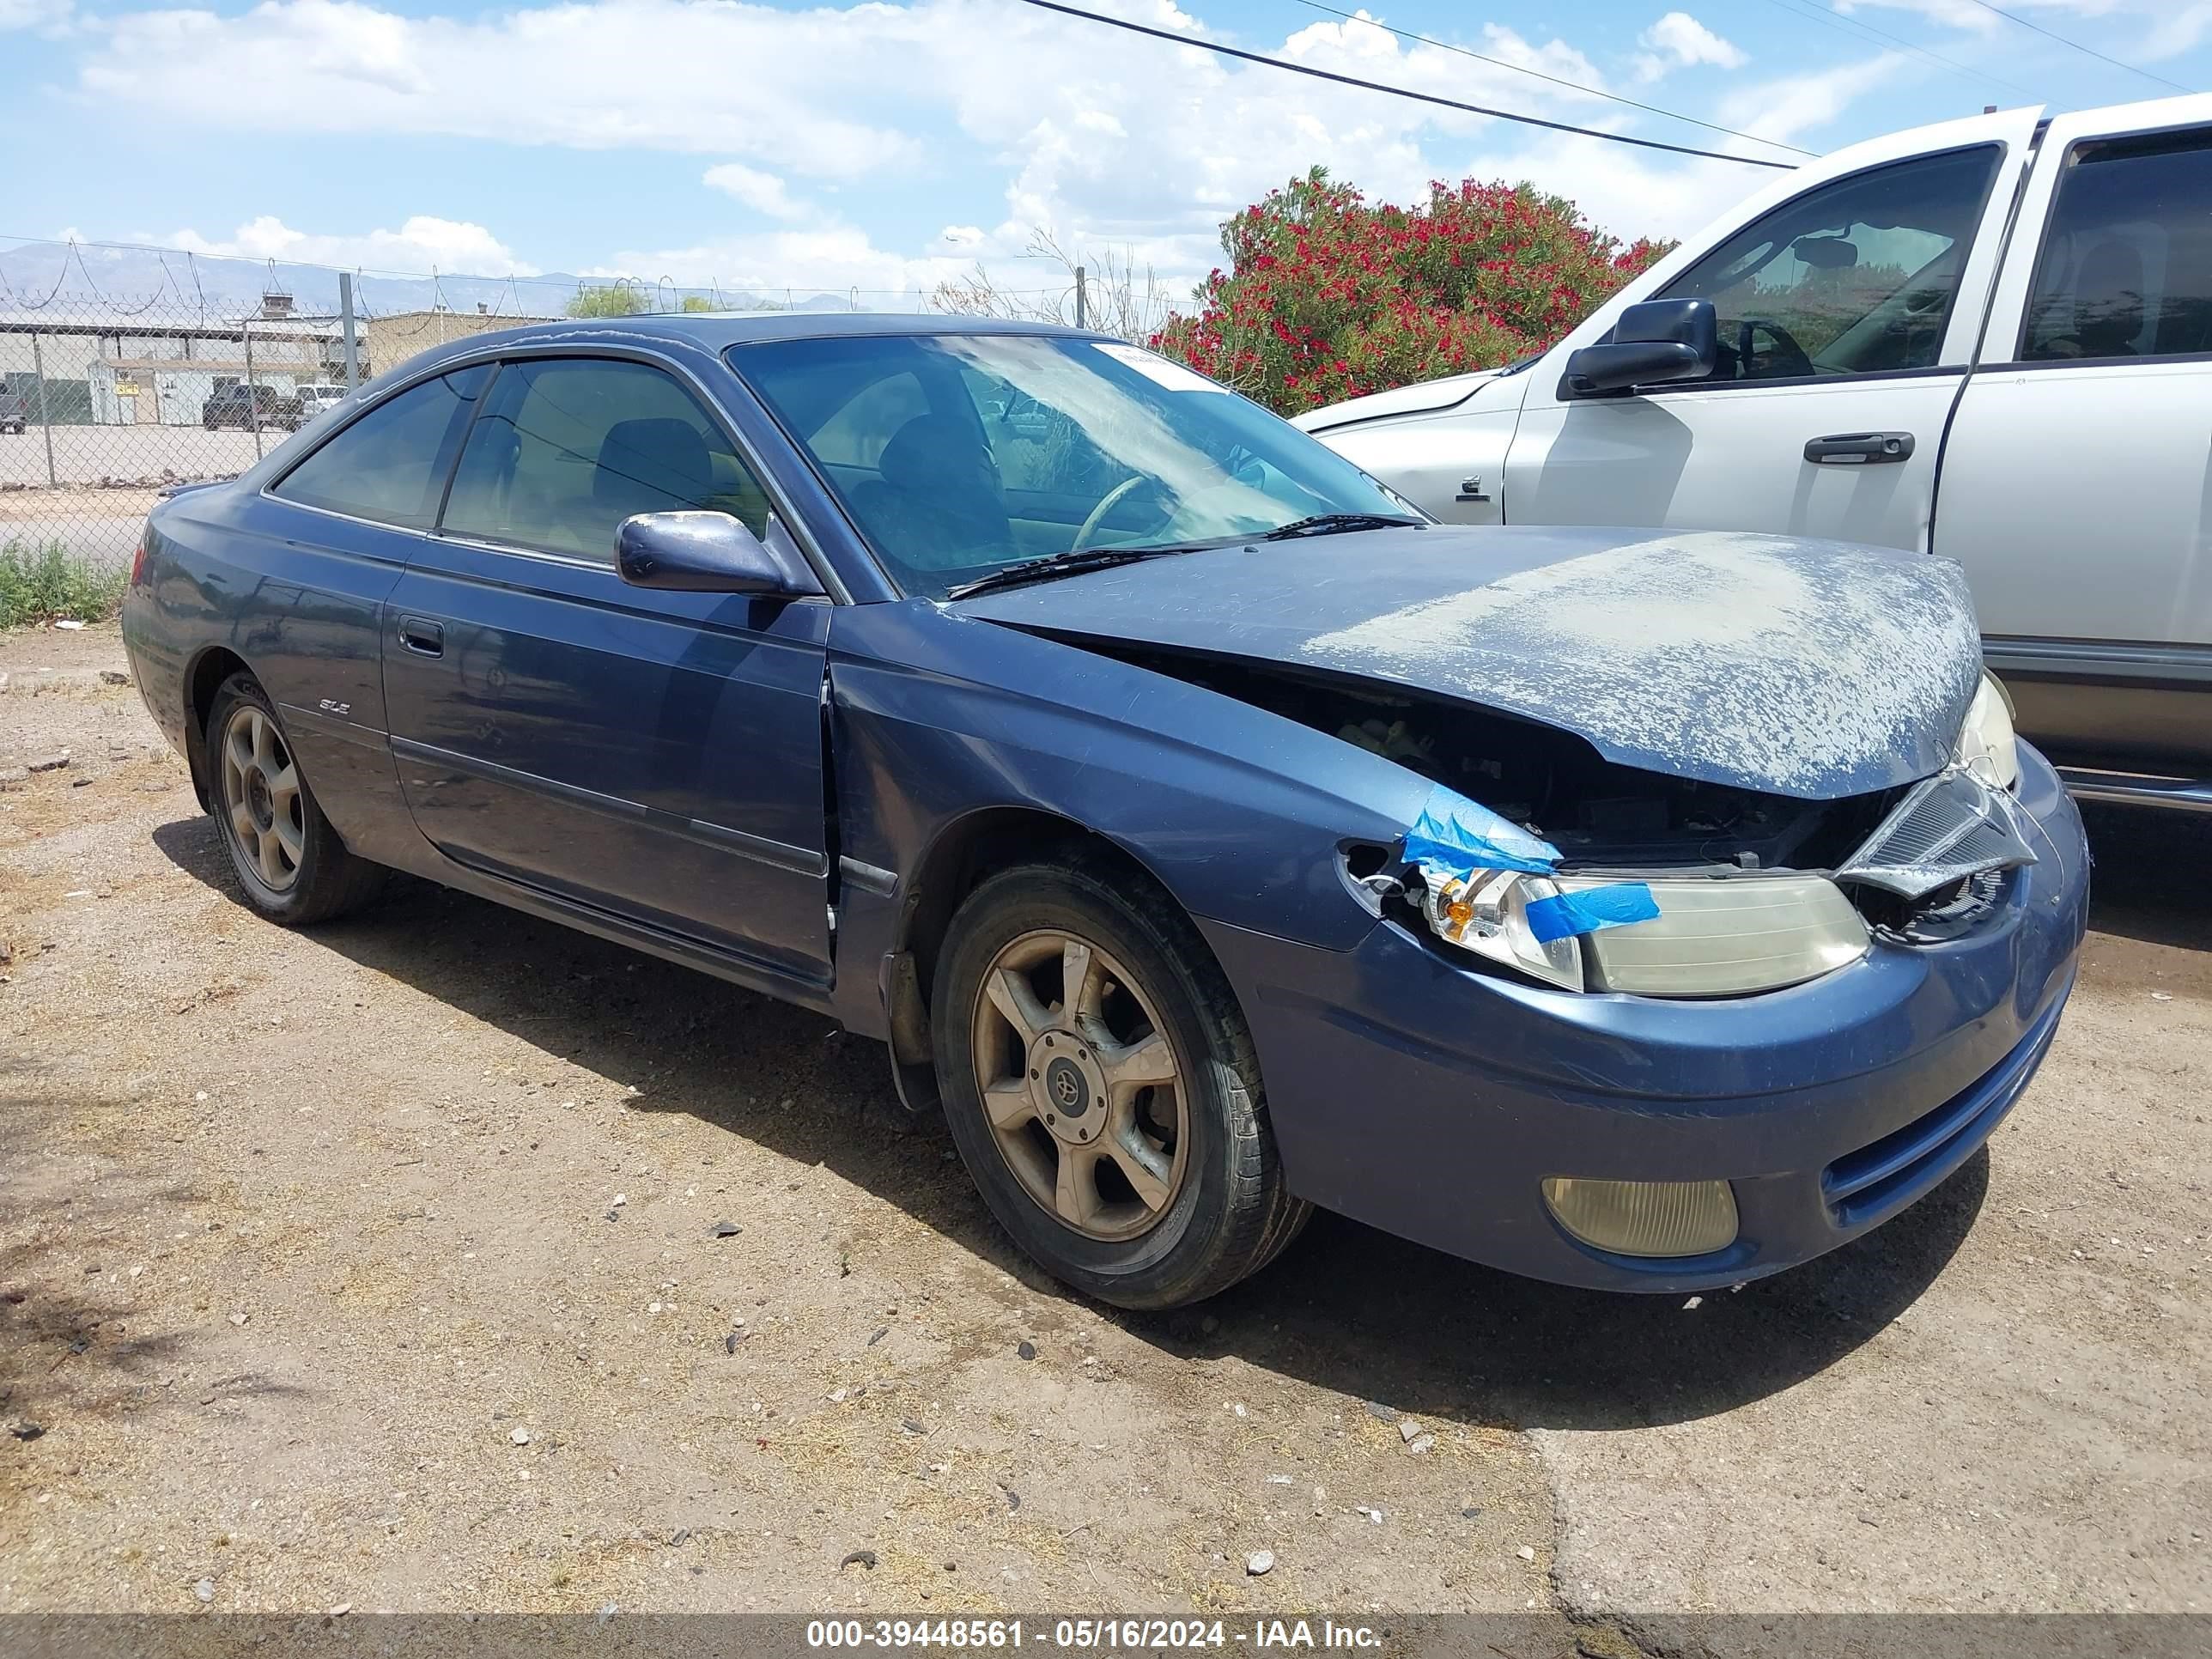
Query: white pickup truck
{"x": 1990, "y": 340}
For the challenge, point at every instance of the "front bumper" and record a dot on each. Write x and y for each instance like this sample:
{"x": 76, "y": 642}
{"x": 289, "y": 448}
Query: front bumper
{"x": 1432, "y": 1100}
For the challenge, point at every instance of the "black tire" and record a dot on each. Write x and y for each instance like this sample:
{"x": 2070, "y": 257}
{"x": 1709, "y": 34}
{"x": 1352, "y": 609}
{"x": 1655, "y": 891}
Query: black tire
{"x": 323, "y": 878}
{"x": 1231, "y": 1213}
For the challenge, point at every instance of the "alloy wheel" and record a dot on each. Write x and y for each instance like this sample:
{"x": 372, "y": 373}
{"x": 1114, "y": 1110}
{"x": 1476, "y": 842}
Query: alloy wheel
{"x": 261, "y": 797}
{"x": 1081, "y": 1086}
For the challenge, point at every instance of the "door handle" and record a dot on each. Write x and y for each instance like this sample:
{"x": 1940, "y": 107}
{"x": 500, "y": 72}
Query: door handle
{"x": 422, "y": 637}
{"x": 1859, "y": 448}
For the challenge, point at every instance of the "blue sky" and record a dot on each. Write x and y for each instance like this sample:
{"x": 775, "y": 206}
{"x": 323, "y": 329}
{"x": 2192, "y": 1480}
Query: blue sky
{"x": 883, "y": 147}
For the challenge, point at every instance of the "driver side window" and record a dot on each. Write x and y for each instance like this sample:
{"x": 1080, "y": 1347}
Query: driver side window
{"x": 1856, "y": 277}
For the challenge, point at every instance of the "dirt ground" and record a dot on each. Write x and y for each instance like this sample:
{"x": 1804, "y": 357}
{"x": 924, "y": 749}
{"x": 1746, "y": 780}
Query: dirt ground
{"x": 378, "y": 1266}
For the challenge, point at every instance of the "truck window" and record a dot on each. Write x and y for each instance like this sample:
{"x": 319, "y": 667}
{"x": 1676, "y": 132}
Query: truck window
{"x": 1856, "y": 277}
{"x": 2126, "y": 265}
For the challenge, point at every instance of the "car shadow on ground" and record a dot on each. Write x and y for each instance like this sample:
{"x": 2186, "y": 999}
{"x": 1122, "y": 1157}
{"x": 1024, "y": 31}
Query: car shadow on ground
{"x": 1347, "y": 1307}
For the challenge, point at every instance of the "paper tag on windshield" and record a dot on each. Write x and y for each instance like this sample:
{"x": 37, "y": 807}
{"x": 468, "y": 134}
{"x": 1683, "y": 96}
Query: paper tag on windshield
{"x": 1161, "y": 371}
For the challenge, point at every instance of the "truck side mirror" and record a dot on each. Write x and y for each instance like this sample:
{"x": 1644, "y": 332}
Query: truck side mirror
{"x": 1651, "y": 343}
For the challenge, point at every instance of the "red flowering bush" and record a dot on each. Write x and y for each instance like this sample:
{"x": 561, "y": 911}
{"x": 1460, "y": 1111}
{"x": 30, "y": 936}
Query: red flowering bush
{"x": 1326, "y": 297}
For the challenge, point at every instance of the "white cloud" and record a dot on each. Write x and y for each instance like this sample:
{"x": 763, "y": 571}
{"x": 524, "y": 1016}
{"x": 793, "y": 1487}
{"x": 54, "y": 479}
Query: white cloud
{"x": 1679, "y": 40}
{"x": 421, "y": 244}
{"x": 2138, "y": 32}
{"x": 763, "y": 192}
{"x": 1955, "y": 14}
{"x": 1786, "y": 108}
{"x": 1110, "y": 140}
{"x": 674, "y": 75}
{"x": 2177, "y": 30}
{"x": 52, "y": 15}
{"x": 2169, "y": 19}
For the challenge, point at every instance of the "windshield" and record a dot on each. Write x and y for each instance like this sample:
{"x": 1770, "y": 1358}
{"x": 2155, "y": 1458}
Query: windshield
{"x": 958, "y": 455}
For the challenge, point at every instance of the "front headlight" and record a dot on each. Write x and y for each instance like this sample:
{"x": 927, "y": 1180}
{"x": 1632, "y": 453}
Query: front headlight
{"x": 1488, "y": 914}
{"x": 1987, "y": 745}
{"x": 1701, "y": 936}
{"x": 1494, "y": 889}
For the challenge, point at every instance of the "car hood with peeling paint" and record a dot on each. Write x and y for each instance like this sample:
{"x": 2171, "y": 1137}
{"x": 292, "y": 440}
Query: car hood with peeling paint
{"x": 1804, "y": 668}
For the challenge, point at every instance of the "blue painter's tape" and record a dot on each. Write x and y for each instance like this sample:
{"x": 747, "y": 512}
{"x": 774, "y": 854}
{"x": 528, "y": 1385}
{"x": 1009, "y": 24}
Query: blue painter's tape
{"x": 1615, "y": 906}
{"x": 1456, "y": 836}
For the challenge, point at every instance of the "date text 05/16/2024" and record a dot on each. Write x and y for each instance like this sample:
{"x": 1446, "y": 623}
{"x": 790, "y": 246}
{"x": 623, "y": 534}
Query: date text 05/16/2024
{"x": 1097, "y": 1635}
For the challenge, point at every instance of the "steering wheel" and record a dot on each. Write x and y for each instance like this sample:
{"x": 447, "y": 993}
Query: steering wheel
{"x": 1787, "y": 360}
{"x": 1105, "y": 506}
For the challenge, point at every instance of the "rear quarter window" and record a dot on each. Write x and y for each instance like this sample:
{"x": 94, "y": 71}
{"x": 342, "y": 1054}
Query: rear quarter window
{"x": 389, "y": 465}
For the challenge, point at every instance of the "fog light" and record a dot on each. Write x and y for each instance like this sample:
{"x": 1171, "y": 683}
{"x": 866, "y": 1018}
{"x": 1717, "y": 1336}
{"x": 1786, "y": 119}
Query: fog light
{"x": 1645, "y": 1218}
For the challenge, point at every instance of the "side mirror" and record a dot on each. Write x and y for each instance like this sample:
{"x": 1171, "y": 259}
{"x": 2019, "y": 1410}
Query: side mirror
{"x": 696, "y": 552}
{"x": 1658, "y": 341}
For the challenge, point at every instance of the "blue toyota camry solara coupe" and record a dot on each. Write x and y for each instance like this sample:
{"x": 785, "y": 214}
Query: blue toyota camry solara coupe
{"x": 1208, "y": 835}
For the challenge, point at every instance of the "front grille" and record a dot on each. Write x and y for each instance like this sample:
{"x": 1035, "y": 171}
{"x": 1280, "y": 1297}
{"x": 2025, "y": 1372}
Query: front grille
{"x": 1889, "y": 1172}
{"x": 1950, "y": 827}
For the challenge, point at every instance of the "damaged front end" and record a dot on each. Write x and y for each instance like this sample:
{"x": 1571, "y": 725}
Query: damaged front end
{"x": 1536, "y": 855}
{"x": 1695, "y": 932}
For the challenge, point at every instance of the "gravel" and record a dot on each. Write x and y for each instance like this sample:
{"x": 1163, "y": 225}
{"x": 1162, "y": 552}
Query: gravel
{"x": 392, "y": 1140}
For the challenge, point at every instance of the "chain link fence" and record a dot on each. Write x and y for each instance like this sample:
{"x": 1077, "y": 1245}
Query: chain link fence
{"x": 98, "y": 411}
{"x": 128, "y": 370}
{"x": 124, "y": 372}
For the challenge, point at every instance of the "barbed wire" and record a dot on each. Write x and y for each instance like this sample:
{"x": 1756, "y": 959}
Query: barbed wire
{"x": 121, "y": 379}
{"x": 727, "y": 292}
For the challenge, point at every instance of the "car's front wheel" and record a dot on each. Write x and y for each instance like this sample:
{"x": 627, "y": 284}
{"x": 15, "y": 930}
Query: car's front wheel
{"x": 1100, "y": 1083}
{"x": 291, "y": 863}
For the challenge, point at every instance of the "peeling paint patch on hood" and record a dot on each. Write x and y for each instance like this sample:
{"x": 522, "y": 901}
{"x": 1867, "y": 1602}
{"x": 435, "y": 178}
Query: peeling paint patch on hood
{"x": 1804, "y": 668}
{"x": 1787, "y": 664}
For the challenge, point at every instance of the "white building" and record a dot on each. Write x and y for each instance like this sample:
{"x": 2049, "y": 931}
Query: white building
{"x": 173, "y": 391}
{"x": 110, "y": 368}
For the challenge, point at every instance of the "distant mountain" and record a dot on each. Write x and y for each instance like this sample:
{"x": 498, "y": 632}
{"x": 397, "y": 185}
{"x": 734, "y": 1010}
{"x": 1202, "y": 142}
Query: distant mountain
{"x": 85, "y": 280}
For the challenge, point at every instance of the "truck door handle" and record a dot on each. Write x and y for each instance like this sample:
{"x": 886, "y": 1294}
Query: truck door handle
{"x": 1859, "y": 448}
{"x": 422, "y": 637}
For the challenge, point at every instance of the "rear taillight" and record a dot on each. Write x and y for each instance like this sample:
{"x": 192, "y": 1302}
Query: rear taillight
{"x": 138, "y": 564}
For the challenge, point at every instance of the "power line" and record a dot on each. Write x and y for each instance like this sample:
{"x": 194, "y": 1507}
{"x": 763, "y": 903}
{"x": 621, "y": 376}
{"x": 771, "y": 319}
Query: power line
{"x": 2052, "y": 34}
{"x": 1814, "y": 11}
{"x": 1174, "y": 38}
{"x": 1557, "y": 81}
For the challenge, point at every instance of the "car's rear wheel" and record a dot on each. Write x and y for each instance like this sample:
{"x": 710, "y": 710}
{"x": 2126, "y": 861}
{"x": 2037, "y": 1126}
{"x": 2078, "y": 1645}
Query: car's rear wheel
{"x": 1100, "y": 1083}
{"x": 293, "y": 866}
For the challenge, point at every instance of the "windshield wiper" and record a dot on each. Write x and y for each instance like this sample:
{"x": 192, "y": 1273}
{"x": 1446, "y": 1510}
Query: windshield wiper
{"x": 1331, "y": 524}
{"x": 1073, "y": 562}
